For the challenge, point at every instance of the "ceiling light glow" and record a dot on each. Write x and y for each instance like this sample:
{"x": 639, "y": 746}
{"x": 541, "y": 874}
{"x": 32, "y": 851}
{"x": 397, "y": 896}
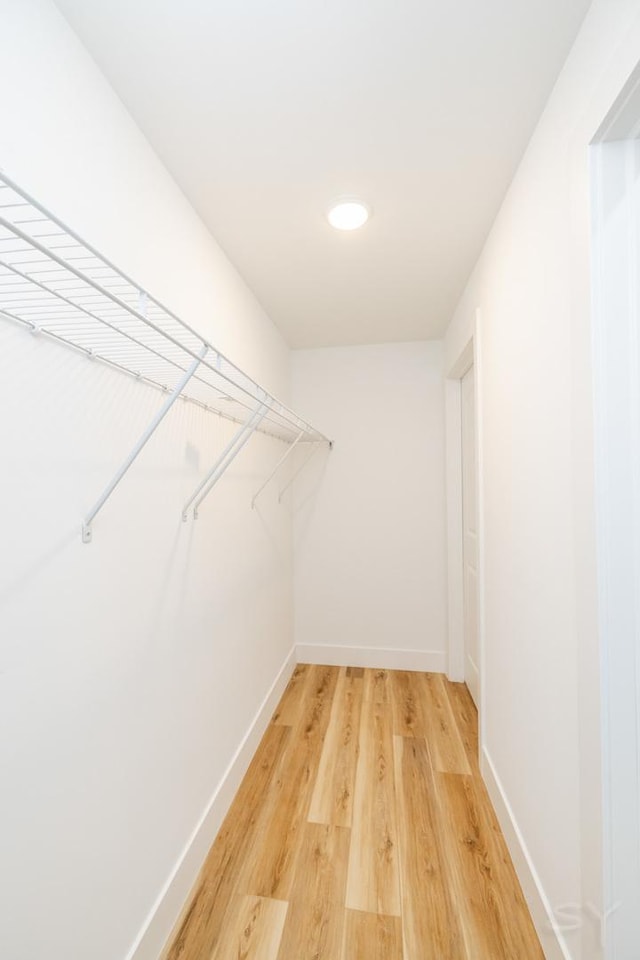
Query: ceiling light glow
{"x": 348, "y": 214}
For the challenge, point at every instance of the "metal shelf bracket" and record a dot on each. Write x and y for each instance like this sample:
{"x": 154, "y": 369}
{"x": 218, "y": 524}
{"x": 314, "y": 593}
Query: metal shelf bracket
{"x": 58, "y": 286}
{"x": 314, "y": 447}
{"x": 226, "y": 458}
{"x": 155, "y": 423}
{"x": 282, "y": 459}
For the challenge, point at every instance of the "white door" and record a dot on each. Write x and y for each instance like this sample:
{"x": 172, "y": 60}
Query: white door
{"x": 470, "y": 535}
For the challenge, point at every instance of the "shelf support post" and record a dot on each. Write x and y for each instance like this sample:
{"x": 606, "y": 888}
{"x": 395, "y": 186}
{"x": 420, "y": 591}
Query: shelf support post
{"x": 148, "y": 433}
{"x": 282, "y": 459}
{"x": 314, "y": 448}
{"x": 230, "y": 452}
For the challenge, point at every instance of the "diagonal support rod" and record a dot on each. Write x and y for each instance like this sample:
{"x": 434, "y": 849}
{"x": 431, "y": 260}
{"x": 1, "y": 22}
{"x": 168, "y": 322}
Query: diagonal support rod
{"x": 155, "y": 423}
{"x": 230, "y": 452}
{"x": 282, "y": 459}
{"x": 223, "y": 467}
{"x": 315, "y": 446}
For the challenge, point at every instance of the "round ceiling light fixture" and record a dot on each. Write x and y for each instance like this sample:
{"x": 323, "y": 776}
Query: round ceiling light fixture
{"x": 348, "y": 213}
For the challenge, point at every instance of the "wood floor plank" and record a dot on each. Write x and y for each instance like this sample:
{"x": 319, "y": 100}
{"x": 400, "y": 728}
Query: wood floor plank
{"x": 332, "y": 798}
{"x": 495, "y": 922}
{"x": 376, "y": 686}
{"x": 373, "y": 881}
{"x": 199, "y": 928}
{"x": 312, "y": 932}
{"x": 314, "y": 925}
{"x": 408, "y": 699}
{"x": 445, "y": 743}
{"x": 355, "y": 672}
{"x": 254, "y": 930}
{"x": 429, "y": 914}
{"x": 290, "y": 707}
{"x": 423, "y": 871}
{"x": 466, "y": 718}
{"x": 270, "y": 873}
{"x": 371, "y": 936}
{"x": 314, "y": 717}
{"x": 321, "y": 876}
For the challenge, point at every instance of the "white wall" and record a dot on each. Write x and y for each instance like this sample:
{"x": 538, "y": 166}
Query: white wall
{"x": 130, "y": 668}
{"x": 532, "y": 285}
{"x": 369, "y": 525}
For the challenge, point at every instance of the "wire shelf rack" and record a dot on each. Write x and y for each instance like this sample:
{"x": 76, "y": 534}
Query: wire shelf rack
{"x": 55, "y": 283}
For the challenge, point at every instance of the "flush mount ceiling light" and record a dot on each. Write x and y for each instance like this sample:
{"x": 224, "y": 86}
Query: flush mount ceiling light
{"x": 348, "y": 213}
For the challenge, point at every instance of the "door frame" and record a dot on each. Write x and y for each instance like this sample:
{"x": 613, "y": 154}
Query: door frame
{"x": 469, "y": 355}
{"x": 614, "y": 162}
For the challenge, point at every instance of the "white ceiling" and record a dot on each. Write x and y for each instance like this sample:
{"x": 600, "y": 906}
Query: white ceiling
{"x": 266, "y": 110}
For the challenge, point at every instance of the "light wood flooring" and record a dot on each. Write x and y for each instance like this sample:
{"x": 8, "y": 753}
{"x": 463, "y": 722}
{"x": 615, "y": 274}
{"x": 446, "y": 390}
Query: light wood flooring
{"x": 362, "y": 831}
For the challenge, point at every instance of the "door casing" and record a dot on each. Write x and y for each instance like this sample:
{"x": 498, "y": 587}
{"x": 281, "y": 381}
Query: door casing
{"x": 470, "y": 355}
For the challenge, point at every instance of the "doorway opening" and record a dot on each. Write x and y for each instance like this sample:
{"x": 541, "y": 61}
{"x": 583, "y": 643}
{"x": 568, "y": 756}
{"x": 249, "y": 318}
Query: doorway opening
{"x": 464, "y": 520}
{"x": 469, "y": 535}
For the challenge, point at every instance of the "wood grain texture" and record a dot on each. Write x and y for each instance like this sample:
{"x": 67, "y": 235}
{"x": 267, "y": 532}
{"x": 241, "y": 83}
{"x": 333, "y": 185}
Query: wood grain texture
{"x": 376, "y": 686}
{"x": 332, "y": 798}
{"x": 290, "y": 706}
{"x": 199, "y": 928}
{"x": 270, "y": 871}
{"x": 371, "y": 936}
{"x": 373, "y": 883}
{"x": 314, "y": 924}
{"x": 254, "y": 930}
{"x": 313, "y": 718}
{"x": 466, "y": 719}
{"x": 445, "y": 743}
{"x": 362, "y": 831}
{"x": 322, "y": 867}
{"x": 408, "y": 701}
{"x": 429, "y": 913}
{"x": 286, "y": 805}
{"x": 493, "y": 914}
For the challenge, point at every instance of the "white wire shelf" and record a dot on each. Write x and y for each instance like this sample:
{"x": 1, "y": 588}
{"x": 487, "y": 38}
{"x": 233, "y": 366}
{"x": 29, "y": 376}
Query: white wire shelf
{"x": 55, "y": 283}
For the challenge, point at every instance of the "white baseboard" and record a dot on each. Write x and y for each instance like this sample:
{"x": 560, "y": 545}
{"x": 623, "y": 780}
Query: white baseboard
{"x": 553, "y": 943}
{"x": 429, "y": 661}
{"x": 165, "y": 912}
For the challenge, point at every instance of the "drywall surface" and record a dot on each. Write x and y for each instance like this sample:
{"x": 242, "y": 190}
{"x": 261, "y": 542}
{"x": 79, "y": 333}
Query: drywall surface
{"x": 369, "y": 525}
{"x": 130, "y": 668}
{"x": 532, "y": 285}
